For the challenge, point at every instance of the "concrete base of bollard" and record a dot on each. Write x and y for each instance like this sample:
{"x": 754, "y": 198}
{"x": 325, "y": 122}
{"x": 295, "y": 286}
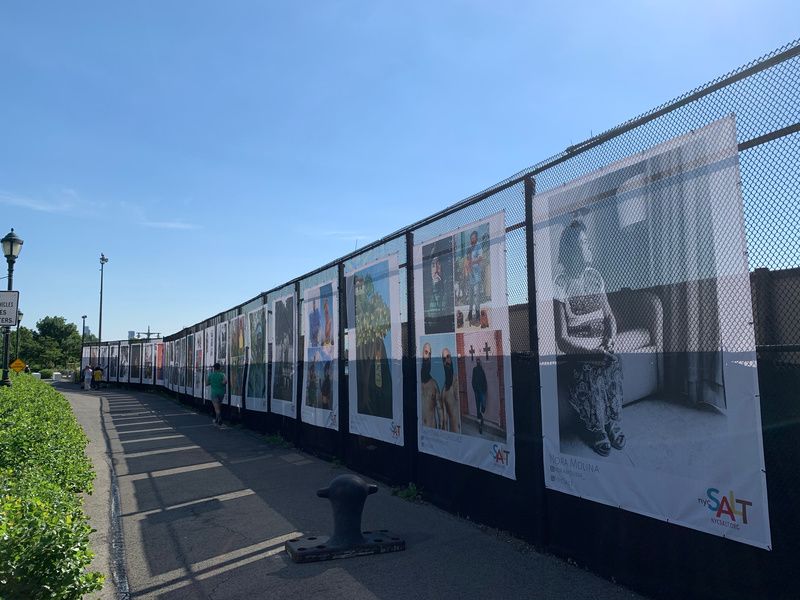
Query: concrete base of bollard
{"x": 315, "y": 548}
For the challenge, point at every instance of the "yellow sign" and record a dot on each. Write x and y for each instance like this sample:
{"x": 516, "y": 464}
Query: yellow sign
{"x": 18, "y": 365}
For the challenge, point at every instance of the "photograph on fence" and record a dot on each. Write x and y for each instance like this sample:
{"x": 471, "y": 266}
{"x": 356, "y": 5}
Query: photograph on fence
{"x": 284, "y": 356}
{"x": 159, "y": 363}
{"x": 136, "y": 363}
{"x": 94, "y": 356}
{"x": 375, "y": 353}
{"x": 222, "y": 352}
{"x": 210, "y": 359}
{"x": 464, "y": 398}
{"x": 190, "y": 364}
{"x": 124, "y": 361}
{"x": 256, "y": 336}
{"x": 113, "y": 362}
{"x": 198, "y": 365}
{"x": 147, "y": 376}
{"x": 473, "y": 278}
{"x": 236, "y": 359}
{"x": 170, "y": 365}
{"x": 180, "y": 364}
{"x": 167, "y": 363}
{"x": 104, "y": 361}
{"x": 187, "y": 364}
{"x": 320, "y": 405}
{"x": 649, "y": 388}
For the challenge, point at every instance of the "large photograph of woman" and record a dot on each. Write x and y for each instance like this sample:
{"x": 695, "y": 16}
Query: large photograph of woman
{"x": 646, "y": 346}
{"x": 375, "y": 355}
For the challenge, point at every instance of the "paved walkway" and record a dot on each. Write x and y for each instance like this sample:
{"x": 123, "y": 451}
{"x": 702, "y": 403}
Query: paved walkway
{"x": 205, "y": 512}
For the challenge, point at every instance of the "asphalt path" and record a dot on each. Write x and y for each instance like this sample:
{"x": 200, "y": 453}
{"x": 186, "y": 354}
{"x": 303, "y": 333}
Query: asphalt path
{"x": 185, "y": 510}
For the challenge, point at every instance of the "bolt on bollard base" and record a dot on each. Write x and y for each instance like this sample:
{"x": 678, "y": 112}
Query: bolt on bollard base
{"x": 347, "y": 494}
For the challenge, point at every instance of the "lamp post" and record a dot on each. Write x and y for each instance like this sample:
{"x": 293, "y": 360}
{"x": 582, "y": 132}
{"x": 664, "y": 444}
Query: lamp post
{"x": 83, "y": 337}
{"x": 103, "y": 261}
{"x": 12, "y": 244}
{"x": 19, "y": 320}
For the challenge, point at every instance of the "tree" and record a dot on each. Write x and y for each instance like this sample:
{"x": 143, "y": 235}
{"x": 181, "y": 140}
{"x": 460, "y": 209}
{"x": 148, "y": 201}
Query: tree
{"x": 54, "y": 343}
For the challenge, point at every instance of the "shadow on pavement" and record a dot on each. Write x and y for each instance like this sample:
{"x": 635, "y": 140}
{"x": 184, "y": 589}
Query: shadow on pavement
{"x": 206, "y": 511}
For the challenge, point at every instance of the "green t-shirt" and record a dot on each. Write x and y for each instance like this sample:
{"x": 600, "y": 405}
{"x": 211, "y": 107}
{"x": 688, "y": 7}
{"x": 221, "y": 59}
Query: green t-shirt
{"x": 216, "y": 379}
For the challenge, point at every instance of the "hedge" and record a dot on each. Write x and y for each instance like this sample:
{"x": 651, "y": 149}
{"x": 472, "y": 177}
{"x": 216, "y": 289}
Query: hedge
{"x": 44, "y": 533}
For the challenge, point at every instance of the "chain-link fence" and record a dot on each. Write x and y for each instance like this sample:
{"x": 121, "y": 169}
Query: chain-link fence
{"x": 567, "y": 351}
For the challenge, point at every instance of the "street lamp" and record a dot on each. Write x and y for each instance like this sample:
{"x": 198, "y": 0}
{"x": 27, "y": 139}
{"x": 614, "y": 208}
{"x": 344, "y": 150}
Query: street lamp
{"x": 12, "y": 244}
{"x": 19, "y": 320}
{"x": 103, "y": 261}
{"x": 83, "y": 336}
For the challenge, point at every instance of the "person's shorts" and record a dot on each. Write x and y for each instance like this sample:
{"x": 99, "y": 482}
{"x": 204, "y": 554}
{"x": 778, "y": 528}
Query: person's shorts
{"x": 217, "y": 397}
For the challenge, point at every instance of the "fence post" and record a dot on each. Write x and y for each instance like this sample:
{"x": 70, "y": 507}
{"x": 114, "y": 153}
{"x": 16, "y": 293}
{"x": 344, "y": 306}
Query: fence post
{"x": 344, "y": 400}
{"x": 410, "y": 366}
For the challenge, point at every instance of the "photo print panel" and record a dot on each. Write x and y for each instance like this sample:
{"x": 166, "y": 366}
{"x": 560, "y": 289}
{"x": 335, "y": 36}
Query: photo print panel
{"x": 136, "y": 363}
{"x": 222, "y": 351}
{"x": 236, "y": 359}
{"x": 464, "y": 397}
{"x": 104, "y": 361}
{"x": 649, "y": 387}
{"x": 171, "y": 372}
{"x": 181, "y": 344}
{"x": 147, "y": 375}
{"x": 376, "y": 357}
{"x": 210, "y": 359}
{"x": 124, "y": 362}
{"x": 94, "y": 356}
{"x": 160, "y": 363}
{"x": 321, "y": 376}
{"x": 256, "y": 335}
{"x": 284, "y": 358}
{"x": 113, "y": 363}
{"x": 197, "y": 389}
{"x": 190, "y": 364}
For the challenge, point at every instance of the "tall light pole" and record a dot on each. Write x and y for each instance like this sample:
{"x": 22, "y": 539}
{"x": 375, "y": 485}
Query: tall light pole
{"x": 83, "y": 337}
{"x": 12, "y": 244}
{"x": 19, "y": 321}
{"x": 103, "y": 261}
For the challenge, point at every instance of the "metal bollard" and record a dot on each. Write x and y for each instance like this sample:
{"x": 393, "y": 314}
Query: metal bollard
{"x": 347, "y": 494}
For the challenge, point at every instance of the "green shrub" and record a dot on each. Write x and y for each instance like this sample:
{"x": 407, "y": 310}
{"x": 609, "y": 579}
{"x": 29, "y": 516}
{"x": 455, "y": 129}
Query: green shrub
{"x": 44, "y": 534}
{"x": 46, "y": 373}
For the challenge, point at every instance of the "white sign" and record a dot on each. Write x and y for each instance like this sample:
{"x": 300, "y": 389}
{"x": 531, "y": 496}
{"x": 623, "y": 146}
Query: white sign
{"x": 9, "y": 304}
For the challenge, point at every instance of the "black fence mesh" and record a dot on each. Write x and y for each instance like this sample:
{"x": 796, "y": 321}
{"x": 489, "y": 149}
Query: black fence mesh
{"x": 678, "y": 230}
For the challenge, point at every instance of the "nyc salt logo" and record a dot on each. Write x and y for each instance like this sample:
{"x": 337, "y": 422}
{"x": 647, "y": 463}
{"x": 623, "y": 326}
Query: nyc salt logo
{"x": 499, "y": 454}
{"x": 395, "y": 430}
{"x": 730, "y": 507}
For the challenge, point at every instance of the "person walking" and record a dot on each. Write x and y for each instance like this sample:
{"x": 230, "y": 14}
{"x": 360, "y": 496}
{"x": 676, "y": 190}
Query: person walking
{"x": 97, "y": 375}
{"x": 87, "y": 378}
{"x": 217, "y": 381}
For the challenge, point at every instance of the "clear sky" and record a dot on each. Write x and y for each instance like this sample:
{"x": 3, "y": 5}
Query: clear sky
{"x": 213, "y": 150}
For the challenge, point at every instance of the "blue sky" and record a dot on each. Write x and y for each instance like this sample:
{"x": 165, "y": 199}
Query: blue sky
{"x": 213, "y": 150}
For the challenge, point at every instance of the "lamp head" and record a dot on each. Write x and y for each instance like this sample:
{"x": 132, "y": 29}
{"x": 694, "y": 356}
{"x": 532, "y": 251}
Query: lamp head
{"x": 12, "y": 244}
